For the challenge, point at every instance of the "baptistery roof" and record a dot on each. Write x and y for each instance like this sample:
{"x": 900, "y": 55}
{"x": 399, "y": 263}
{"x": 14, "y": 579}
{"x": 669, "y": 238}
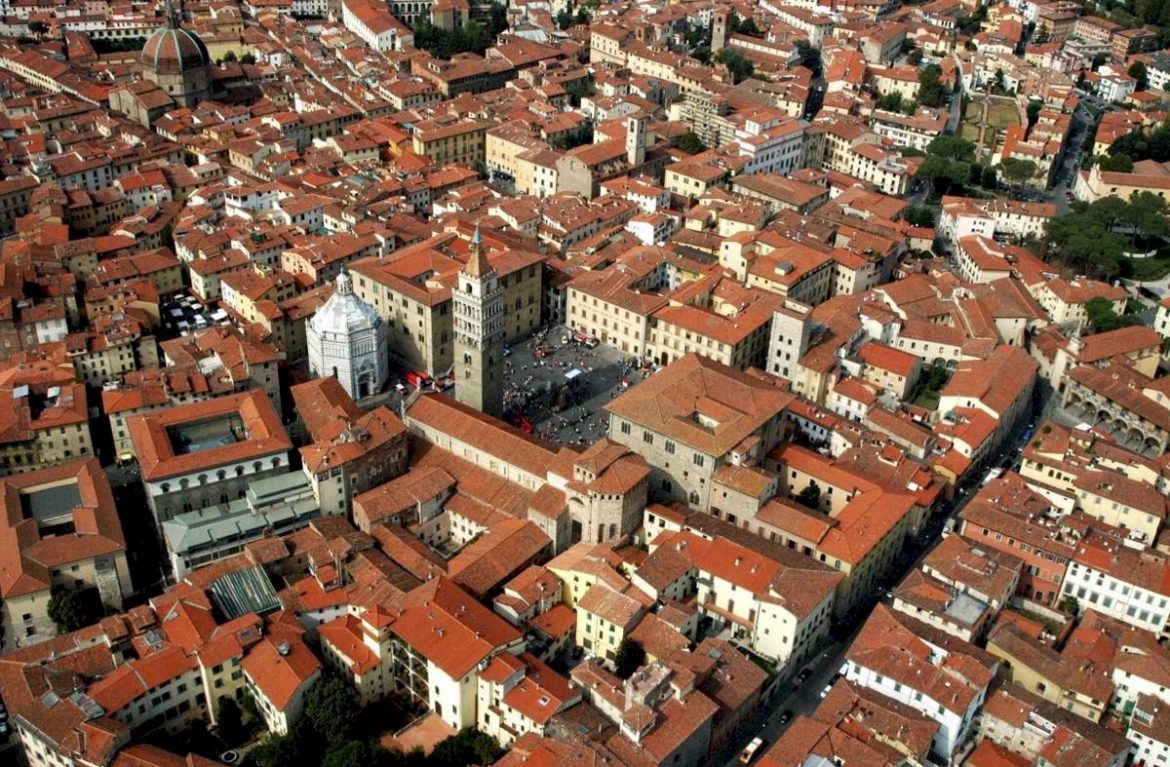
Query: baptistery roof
{"x": 344, "y": 313}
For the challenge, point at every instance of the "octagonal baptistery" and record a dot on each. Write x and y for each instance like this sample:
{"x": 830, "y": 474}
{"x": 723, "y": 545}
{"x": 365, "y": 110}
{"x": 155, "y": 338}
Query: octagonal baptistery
{"x": 347, "y": 339}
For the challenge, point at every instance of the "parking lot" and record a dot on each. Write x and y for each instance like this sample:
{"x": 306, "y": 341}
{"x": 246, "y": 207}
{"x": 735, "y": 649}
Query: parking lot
{"x": 558, "y": 387}
{"x": 183, "y": 313}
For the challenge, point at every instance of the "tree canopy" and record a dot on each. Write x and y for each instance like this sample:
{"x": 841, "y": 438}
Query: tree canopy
{"x": 1137, "y": 71}
{"x": 736, "y": 63}
{"x": 1095, "y": 238}
{"x": 1102, "y": 316}
{"x": 72, "y": 609}
{"x": 329, "y": 709}
{"x": 691, "y": 143}
{"x": 810, "y": 496}
{"x": 948, "y": 164}
{"x": 746, "y": 26}
{"x": 1139, "y": 145}
{"x": 475, "y": 37}
{"x": 810, "y": 57}
{"x": 1017, "y": 171}
{"x": 630, "y": 657}
{"x": 930, "y": 86}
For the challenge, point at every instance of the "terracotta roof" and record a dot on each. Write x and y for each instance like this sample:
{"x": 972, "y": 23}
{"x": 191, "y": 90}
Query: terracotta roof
{"x": 262, "y": 435}
{"x": 26, "y": 557}
{"x": 702, "y": 404}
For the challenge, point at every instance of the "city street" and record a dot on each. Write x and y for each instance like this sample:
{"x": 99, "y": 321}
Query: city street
{"x": 803, "y": 699}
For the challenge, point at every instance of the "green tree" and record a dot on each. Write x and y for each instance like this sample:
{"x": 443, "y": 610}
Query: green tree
{"x": 276, "y": 751}
{"x": 38, "y": 29}
{"x": 1000, "y": 83}
{"x": 229, "y": 57}
{"x": 1070, "y": 606}
{"x": 953, "y": 147}
{"x": 690, "y": 143}
{"x": 72, "y": 609}
{"x": 230, "y": 721}
{"x": 947, "y": 163}
{"x": 810, "y": 57}
{"x": 630, "y": 657}
{"x": 747, "y": 26}
{"x": 739, "y": 67}
{"x": 1017, "y": 171}
{"x": 920, "y": 216}
{"x": 353, "y": 753}
{"x": 915, "y": 58}
{"x": 582, "y": 134}
{"x": 894, "y": 102}
{"x": 1137, "y": 71}
{"x": 329, "y": 709}
{"x": 248, "y": 58}
{"x": 930, "y": 86}
{"x": 989, "y": 177}
{"x": 1033, "y": 112}
{"x": 579, "y": 90}
{"x": 810, "y": 496}
{"x": 1142, "y": 145}
{"x": 1084, "y": 239}
{"x": 465, "y": 747}
{"x": 564, "y": 19}
{"x": 1119, "y": 163}
{"x": 1145, "y": 216}
{"x": 1102, "y": 316}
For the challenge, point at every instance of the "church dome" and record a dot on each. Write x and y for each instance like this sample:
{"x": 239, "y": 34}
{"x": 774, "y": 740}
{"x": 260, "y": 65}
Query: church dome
{"x": 174, "y": 51}
{"x": 344, "y": 313}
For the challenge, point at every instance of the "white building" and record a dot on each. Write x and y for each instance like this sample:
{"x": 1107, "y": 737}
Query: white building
{"x": 916, "y": 668}
{"x": 1120, "y": 581}
{"x": 376, "y": 25}
{"x": 347, "y": 339}
{"x": 1149, "y": 730}
{"x": 781, "y": 609}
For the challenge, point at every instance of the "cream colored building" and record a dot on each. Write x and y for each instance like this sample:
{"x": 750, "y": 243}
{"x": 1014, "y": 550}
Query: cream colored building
{"x": 411, "y": 290}
{"x": 694, "y": 418}
{"x": 782, "y": 607}
{"x": 604, "y": 618}
{"x": 60, "y": 529}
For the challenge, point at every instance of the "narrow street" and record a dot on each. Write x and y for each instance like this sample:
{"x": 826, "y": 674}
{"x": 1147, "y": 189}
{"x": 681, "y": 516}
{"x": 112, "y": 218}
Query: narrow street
{"x": 802, "y": 699}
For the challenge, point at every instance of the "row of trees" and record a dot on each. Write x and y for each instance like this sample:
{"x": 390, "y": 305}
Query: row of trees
{"x": 1138, "y": 145}
{"x": 335, "y": 731}
{"x": 473, "y": 38}
{"x": 950, "y": 166}
{"x": 1095, "y": 238}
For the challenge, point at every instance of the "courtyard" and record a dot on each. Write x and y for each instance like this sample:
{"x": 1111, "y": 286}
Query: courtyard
{"x": 1002, "y": 113}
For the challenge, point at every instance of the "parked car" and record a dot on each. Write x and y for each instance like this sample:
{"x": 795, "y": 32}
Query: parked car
{"x": 751, "y": 750}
